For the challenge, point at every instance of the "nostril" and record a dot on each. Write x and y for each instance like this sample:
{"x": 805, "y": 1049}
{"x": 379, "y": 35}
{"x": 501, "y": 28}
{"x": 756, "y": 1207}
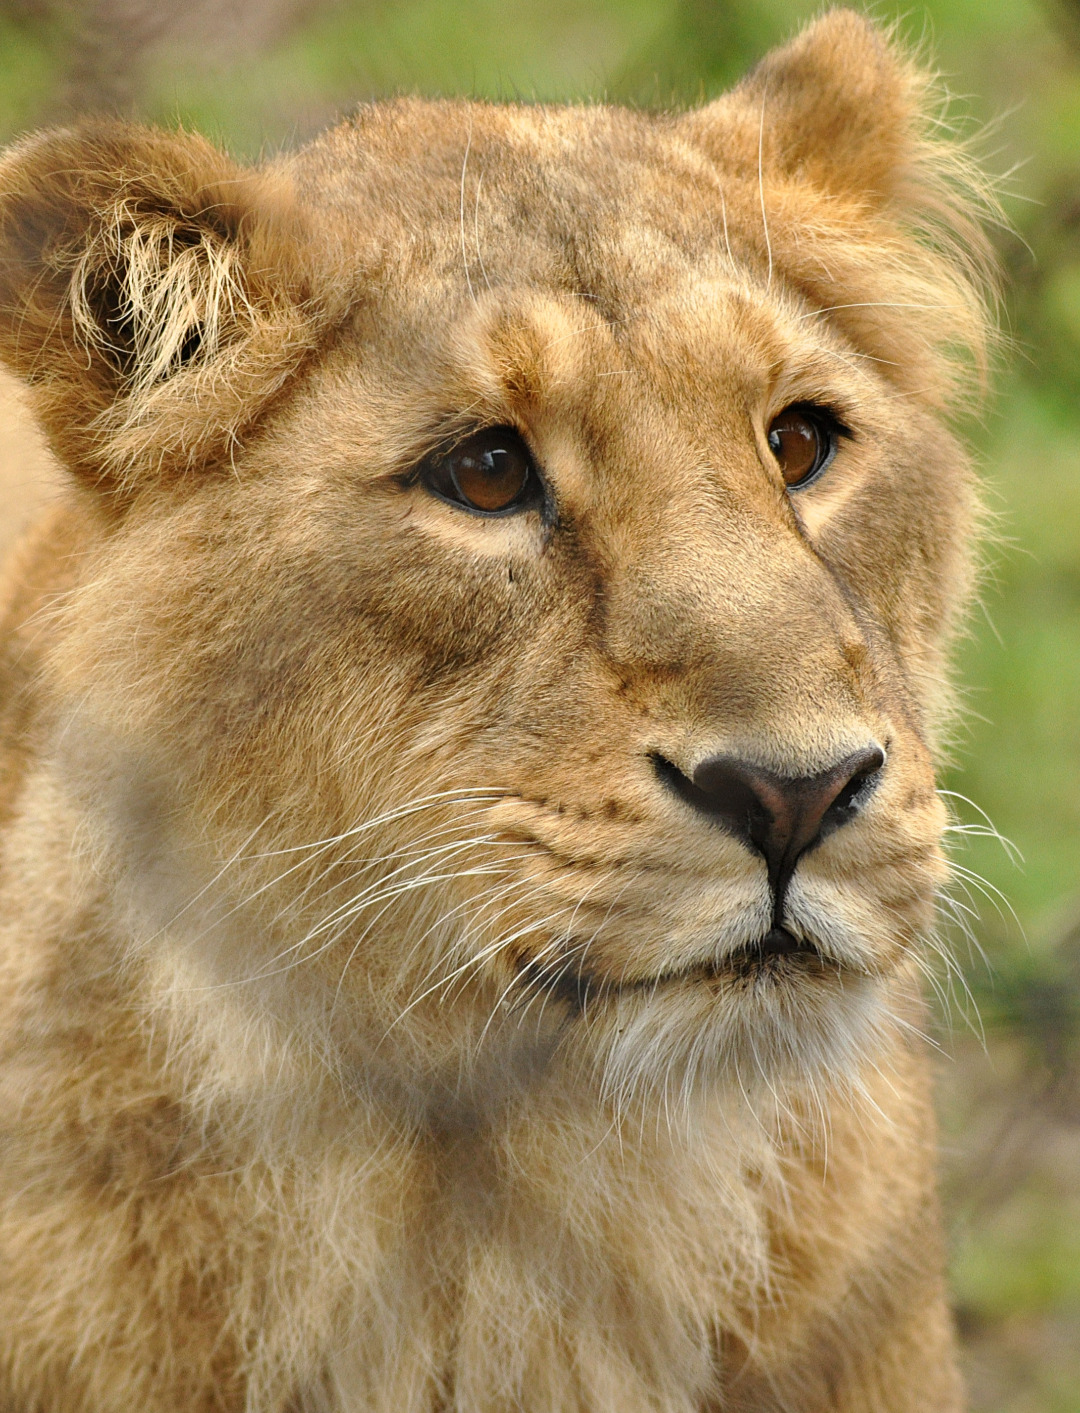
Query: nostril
{"x": 668, "y": 771}
{"x": 866, "y": 768}
{"x": 720, "y": 789}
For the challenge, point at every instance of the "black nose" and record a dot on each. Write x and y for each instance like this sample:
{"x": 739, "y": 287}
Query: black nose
{"x": 780, "y": 816}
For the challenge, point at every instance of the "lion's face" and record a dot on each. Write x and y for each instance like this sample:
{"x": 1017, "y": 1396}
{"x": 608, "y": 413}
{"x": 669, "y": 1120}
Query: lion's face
{"x": 555, "y": 663}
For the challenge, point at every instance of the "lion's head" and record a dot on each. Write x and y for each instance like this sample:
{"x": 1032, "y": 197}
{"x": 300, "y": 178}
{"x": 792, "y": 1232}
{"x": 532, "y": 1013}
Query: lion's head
{"x": 521, "y": 549}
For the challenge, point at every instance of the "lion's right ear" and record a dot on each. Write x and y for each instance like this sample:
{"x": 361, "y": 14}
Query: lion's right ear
{"x": 153, "y": 295}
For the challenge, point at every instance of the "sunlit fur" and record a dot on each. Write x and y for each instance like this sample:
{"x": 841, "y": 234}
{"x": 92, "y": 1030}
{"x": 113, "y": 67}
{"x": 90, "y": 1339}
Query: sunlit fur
{"x": 377, "y": 1031}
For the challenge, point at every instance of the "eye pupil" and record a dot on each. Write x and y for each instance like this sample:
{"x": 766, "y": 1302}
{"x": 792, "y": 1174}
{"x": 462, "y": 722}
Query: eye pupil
{"x": 802, "y": 443}
{"x": 491, "y": 479}
{"x": 491, "y": 472}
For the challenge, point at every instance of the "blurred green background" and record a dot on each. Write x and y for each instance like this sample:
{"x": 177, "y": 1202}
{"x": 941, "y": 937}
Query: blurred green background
{"x": 259, "y": 74}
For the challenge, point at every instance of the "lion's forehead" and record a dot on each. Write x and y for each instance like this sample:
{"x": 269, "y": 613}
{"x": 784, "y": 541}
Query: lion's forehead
{"x": 600, "y": 196}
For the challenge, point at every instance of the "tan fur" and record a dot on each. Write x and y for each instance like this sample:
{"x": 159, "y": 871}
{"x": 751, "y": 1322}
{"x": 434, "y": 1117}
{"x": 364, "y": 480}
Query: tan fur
{"x": 317, "y": 789}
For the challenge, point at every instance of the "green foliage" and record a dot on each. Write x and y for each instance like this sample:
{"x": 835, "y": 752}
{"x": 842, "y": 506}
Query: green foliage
{"x": 1019, "y": 758}
{"x": 30, "y": 60}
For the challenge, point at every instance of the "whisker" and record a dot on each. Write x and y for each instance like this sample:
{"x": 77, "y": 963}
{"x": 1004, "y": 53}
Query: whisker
{"x": 491, "y": 949}
{"x": 476, "y": 959}
{"x": 459, "y": 794}
{"x": 464, "y": 253}
{"x": 988, "y": 827}
{"x": 866, "y": 304}
{"x": 496, "y": 869}
{"x": 761, "y": 182}
{"x": 993, "y": 894}
{"x": 476, "y": 231}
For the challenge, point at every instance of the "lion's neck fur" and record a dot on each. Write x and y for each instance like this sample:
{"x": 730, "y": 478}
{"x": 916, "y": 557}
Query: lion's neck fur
{"x": 409, "y": 1249}
{"x": 492, "y": 1245}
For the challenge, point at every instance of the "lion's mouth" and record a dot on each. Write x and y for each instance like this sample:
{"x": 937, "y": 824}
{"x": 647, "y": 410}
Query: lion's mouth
{"x": 778, "y": 953}
{"x": 780, "y": 942}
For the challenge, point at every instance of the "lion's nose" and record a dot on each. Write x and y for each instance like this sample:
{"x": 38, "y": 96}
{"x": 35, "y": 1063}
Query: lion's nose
{"x": 780, "y": 816}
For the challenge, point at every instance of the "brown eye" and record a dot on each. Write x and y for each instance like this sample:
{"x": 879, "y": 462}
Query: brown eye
{"x": 803, "y": 440}
{"x": 491, "y": 473}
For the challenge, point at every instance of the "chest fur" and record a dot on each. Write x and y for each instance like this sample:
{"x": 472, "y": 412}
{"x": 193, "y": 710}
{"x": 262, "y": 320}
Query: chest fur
{"x": 458, "y": 1277}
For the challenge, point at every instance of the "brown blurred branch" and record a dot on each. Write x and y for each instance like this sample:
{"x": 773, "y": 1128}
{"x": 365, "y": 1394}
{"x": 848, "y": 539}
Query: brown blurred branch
{"x": 113, "y": 45}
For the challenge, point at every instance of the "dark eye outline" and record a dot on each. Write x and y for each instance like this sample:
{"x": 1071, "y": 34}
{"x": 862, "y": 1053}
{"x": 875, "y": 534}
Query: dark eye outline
{"x": 436, "y": 474}
{"x": 831, "y": 428}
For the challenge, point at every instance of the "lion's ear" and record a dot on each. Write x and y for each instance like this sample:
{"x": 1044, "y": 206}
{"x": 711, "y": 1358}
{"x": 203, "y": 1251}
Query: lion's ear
{"x": 834, "y": 108}
{"x": 153, "y": 295}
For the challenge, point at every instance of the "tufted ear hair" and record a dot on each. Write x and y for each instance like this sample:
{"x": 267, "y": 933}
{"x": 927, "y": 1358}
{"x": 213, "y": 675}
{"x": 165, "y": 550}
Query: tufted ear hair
{"x": 834, "y": 108}
{"x": 153, "y": 295}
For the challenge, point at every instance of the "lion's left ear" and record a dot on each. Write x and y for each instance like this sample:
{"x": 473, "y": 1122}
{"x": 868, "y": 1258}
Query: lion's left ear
{"x": 834, "y": 108}
{"x": 154, "y": 296}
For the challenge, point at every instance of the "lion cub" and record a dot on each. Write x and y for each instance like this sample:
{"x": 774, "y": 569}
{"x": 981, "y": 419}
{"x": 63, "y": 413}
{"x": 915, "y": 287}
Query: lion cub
{"x": 468, "y": 817}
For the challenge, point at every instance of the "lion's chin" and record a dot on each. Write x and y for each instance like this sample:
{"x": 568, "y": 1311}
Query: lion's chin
{"x": 781, "y": 1008}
